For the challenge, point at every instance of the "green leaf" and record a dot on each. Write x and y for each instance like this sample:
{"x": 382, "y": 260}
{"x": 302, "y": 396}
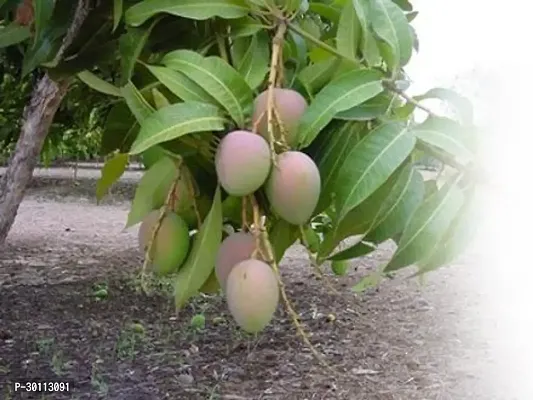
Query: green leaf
{"x": 334, "y": 146}
{"x": 191, "y": 9}
{"x": 371, "y": 163}
{"x": 340, "y": 267}
{"x": 111, "y": 172}
{"x": 160, "y": 101}
{"x": 282, "y": 235}
{"x": 404, "y": 198}
{"x": 180, "y": 85}
{"x": 175, "y": 121}
{"x": 368, "y": 44}
{"x": 456, "y": 240}
{"x": 348, "y": 32}
{"x": 446, "y": 135}
{"x": 120, "y": 129}
{"x": 314, "y": 76}
{"x": 43, "y": 50}
{"x": 118, "y": 8}
{"x": 368, "y": 110}
{"x": 43, "y": 11}
{"x": 411, "y": 16}
{"x": 13, "y": 34}
{"x": 137, "y": 103}
{"x": 244, "y": 27}
{"x": 216, "y": 77}
{"x": 256, "y": 61}
{"x": 155, "y": 180}
{"x": 328, "y": 12}
{"x": 98, "y": 84}
{"x": 343, "y": 93}
{"x": 359, "y": 249}
{"x": 201, "y": 260}
{"x": 405, "y": 5}
{"x": 390, "y": 24}
{"x": 131, "y": 45}
{"x": 359, "y": 220}
{"x": 426, "y": 227}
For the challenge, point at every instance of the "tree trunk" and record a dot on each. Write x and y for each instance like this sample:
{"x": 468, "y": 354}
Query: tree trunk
{"x": 38, "y": 116}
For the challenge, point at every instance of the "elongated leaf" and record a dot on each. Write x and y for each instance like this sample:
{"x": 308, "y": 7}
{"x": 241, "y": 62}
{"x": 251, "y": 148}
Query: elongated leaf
{"x": 256, "y": 61}
{"x": 456, "y": 240}
{"x": 136, "y": 102}
{"x": 427, "y": 227}
{"x": 160, "y": 101}
{"x": 216, "y": 77}
{"x": 390, "y": 24}
{"x": 118, "y": 8}
{"x": 349, "y": 32}
{"x": 404, "y": 198}
{"x": 343, "y": 93}
{"x": 180, "y": 85}
{"x": 368, "y": 44}
{"x": 329, "y": 12}
{"x": 98, "y": 84}
{"x": 359, "y": 220}
{"x": 368, "y": 110}
{"x": 315, "y": 76}
{"x": 43, "y": 50}
{"x": 111, "y": 172}
{"x": 201, "y": 260}
{"x": 192, "y": 9}
{"x": 357, "y": 250}
{"x": 371, "y": 163}
{"x": 282, "y": 235}
{"x": 13, "y": 34}
{"x": 177, "y": 120}
{"x": 120, "y": 130}
{"x": 131, "y": 44}
{"x": 244, "y": 27}
{"x": 330, "y": 158}
{"x": 155, "y": 180}
{"x": 43, "y": 11}
{"x": 405, "y": 5}
{"x": 445, "y": 134}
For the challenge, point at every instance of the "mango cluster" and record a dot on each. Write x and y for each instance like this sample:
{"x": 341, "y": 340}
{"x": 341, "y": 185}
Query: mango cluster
{"x": 243, "y": 160}
{"x": 244, "y": 164}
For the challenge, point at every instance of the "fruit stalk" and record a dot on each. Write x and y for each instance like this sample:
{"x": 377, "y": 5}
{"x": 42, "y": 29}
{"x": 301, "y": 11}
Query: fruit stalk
{"x": 272, "y": 260}
{"x": 273, "y": 81}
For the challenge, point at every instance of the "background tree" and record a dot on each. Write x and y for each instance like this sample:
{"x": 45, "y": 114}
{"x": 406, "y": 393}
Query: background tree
{"x": 184, "y": 75}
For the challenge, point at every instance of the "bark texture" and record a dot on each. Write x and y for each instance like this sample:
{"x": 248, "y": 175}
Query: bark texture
{"x": 38, "y": 116}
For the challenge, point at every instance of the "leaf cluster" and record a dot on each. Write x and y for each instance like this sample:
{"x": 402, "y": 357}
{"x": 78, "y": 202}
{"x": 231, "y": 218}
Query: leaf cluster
{"x": 182, "y": 73}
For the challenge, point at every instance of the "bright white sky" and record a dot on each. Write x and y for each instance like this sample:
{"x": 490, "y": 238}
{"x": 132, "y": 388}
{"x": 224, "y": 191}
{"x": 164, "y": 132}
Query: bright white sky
{"x": 493, "y": 39}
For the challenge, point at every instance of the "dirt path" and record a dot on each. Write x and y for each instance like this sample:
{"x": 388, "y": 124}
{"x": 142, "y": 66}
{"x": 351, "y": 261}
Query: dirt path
{"x": 404, "y": 341}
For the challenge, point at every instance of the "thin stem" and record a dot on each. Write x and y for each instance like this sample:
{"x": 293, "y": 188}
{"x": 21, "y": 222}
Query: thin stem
{"x": 222, "y": 47}
{"x": 321, "y": 44}
{"x": 390, "y": 86}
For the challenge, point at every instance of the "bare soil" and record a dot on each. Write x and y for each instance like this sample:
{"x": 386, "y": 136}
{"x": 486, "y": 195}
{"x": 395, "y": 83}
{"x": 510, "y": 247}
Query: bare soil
{"x": 71, "y": 311}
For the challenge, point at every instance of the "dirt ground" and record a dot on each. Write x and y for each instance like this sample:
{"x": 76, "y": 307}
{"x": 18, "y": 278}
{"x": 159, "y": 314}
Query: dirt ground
{"x": 71, "y": 311}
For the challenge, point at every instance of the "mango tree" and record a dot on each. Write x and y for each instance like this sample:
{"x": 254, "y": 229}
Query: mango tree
{"x": 267, "y": 122}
